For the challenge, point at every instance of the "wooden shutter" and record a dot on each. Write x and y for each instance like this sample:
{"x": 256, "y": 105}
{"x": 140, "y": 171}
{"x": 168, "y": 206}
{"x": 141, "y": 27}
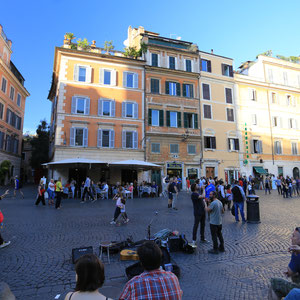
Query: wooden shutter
{"x": 150, "y": 116}
{"x": 228, "y": 95}
{"x": 123, "y": 109}
{"x": 88, "y": 75}
{"x": 230, "y": 71}
{"x": 177, "y": 89}
{"x": 100, "y": 110}
{"x": 113, "y": 108}
{"x": 99, "y": 138}
{"x": 101, "y": 76}
{"x": 167, "y": 87}
{"x": 76, "y": 72}
{"x": 135, "y": 140}
{"x": 223, "y": 69}
{"x": 184, "y": 90}
{"x": 178, "y": 119}
{"x": 152, "y": 88}
{"x": 168, "y": 118}
{"x": 113, "y": 78}
{"x": 205, "y": 89}
{"x": 209, "y": 66}
{"x": 85, "y": 137}
{"x": 125, "y": 79}
{"x": 136, "y": 110}
{"x": 195, "y": 121}
{"x": 111, "y": 139}
{"x": 213, "y": 142}
{"x": 136, "y": 80}
{"x": 123, "y": 139}
{"x": 72, "y": 136}
{"x": 87, "y": 106}
{"x": 73, "y": 105}
{"x": 185, "y": 120}
{"x": 229, "y": 144}
{"x": 161, "y": 118}
{"x": 236, "y": 144}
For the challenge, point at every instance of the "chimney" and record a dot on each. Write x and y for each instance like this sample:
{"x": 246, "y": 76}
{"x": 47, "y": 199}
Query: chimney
{"x": 212, "y": 51}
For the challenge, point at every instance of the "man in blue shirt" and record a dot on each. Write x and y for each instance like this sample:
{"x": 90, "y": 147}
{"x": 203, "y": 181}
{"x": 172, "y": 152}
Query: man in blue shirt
{"x": 17, "y": 187}
{"x": 280, "y": 287}
{"x": 210, "y": 188}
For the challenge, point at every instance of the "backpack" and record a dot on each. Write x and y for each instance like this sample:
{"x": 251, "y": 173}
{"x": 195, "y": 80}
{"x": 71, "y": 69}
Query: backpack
{"x": 237, "y": 195}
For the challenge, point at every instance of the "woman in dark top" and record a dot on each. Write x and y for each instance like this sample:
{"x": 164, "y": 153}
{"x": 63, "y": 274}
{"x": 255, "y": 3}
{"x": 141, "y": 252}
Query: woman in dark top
{"x": 199, "y": 213}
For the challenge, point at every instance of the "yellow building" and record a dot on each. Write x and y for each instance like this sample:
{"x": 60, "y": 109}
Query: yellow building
{"x": 267, "y": 96}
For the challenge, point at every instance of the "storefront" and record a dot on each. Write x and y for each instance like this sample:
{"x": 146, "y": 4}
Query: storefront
{"x": 174, "y": 170}
{"x": 192, "y": 173}
{"x": 231, "y": 175}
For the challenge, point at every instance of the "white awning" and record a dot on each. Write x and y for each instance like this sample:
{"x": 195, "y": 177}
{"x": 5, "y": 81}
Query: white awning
{"x": 75, "y": 161}
{"x": 134, "y": 163}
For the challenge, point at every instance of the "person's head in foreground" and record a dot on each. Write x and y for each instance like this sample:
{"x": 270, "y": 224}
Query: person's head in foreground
{"x": 150, "y": 256}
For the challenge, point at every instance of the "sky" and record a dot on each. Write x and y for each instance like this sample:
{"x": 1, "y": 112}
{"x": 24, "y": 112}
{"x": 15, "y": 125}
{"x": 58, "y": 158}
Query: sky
{"x": 239, "y": 29}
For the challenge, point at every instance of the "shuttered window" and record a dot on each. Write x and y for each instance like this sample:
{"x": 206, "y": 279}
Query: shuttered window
{"x": 188, "y": 65}
{"x": 210, "y": 142}
{"x": 205, "y": 91}
{"x": 207, "y": 111}
{"x": 233, "y": 144}
{"x": 154, "y": 59}
{"x": 187, "y": 90}
{"x": 172, "y": 88}
{"x": 130, "y": 80}
{"x": 78, "y": 137}
{"x": 174, "y": 148}
{"x": 228, "y": 95}
{"x": 227, "y": 70}
{"x": 172, "y": 62}
{"x": 205, "y": 65}
{"x": 154, "y": 86}
{"x": 155, "y": 147}
{"x": 230, "y": 114}
{"x": 190, "y": 120}
{"x": 130, "y": 140}
{"x": 80, "y": 105}
{"x": 3, "y": 85}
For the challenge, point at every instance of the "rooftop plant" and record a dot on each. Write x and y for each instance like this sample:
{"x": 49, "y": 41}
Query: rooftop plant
{"x": 82, "y": 43}
{"x": 108, "y": 46}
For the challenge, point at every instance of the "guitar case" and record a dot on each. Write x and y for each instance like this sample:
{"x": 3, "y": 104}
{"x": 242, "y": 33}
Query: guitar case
{"x": 116, "y": 247}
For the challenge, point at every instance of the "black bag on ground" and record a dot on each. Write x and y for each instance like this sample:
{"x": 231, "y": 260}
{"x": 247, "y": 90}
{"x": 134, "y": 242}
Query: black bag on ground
{"x": 78, "y": 252}
{"x": 175, "y": 243}
{"x": 185, "y": 245}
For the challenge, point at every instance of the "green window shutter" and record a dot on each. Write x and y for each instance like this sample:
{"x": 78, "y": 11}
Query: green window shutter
{"x": 191, "y": 91}
{"x": 178, "y": 119}
{"x": 213, "y": 142}
{"x": 185, "y": 120}
{"x": 184, "y": 90}
{"x": 161, "y": 118}
{"x": 195, "y": 121}
{"x": 168, "y": 118}
{"x": 177, "y": 89}
{"x": 209, "y": 66}
{"x": 167, "y": 88}
{"x": 149, "y": 116}
{"x": 152, "y": 85}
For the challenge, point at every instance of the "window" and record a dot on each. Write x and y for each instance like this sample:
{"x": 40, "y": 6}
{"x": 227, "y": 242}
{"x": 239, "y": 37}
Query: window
{"x": 205, "y": 65}
{"x": 273, "y": 98}
{"x": 256, "y": 146}
{"x": 210, "y": 142}
{"x": 252, "y": 94}
{"x": 172, "y": 88}
{"x": 130, "y": 80}
{"x": 188, "y": 65}
{"x": 3, "y": 85}
{"x": 205, "y": 91}
{"x": 292, "y": 123}
{"x": 129, "y": 139}
{"x": 8, "y": 143}
{"x": 106, "y": 107}
{"x": 18, "y": 122}
{"x": 106, "y": 138}
{"x": 154, "y": 59}
{"x": 174, "y": 148}
{"x": 155, "y": 147}
{"x": 290, "y": 100}
{"x": 233, "y": 144}
{"x": 227, "y": 70}
{"x": 207, "y": 111}
{"x": 187, "y": 90}
{"x": 172, "y": 62}
{"x": 19, "y": 100}
{"x": 12, "y": 93}
{"x": 1, "y": 140}
{"x": 82, "y": 74}
{"x": 270, "y": 75}
{"x": 285, "y": 78}
{"x": 230, "y": 114}
{"x": 277, "y": 147}
{"x": 1, "y": 110}
{"x": 79, "y": 137}
{"x": 107, "y": 77}
{"x": 190, "y": 120}
{"x": 8, "y": 116}
{"x": 173, "y": 119}
{"x": 80, "y": 105}
{"x": 228, "y": 95}
{"x": 191, "y": 149}
{"x": 294, "y": 148}
{"x": 155, "y": 117}
{"x": 254, "y": 119}
{"x": 154, "y": 86}
{"x": 130, "y": 110}
{"x": 276, "y": 121}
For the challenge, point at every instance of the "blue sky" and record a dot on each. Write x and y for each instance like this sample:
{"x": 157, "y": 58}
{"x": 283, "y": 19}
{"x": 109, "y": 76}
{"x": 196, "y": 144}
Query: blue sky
{"x": 233, "y": 28}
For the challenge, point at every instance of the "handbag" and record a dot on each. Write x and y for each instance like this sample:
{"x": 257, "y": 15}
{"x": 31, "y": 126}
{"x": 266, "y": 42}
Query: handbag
{"x": 46, "y": 195}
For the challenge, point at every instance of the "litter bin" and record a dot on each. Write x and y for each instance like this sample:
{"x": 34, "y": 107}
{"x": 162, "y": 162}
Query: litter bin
{"x": 253, "y": 209}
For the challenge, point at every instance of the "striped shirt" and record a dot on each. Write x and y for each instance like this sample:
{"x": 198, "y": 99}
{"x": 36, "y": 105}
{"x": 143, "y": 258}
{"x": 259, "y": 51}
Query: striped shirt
{"x": 156, "y": 284}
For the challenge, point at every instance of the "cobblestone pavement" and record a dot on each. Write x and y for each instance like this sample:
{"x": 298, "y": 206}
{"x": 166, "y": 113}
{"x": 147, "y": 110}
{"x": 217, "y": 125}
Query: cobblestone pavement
{"x": 37, "y": 264}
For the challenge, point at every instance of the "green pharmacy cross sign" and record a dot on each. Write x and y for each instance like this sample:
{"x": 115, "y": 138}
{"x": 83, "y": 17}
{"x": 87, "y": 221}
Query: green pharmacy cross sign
{"x": 247, "y": 145}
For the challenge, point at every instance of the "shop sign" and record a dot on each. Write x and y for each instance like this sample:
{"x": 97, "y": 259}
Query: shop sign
{"x": 174, "y": 166}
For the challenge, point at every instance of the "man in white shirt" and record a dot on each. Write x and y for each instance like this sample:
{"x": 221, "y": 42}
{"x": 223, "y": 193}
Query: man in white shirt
{"x": 87, "y": 186}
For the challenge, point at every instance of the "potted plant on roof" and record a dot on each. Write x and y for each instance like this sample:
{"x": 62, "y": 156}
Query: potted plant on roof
{"x": 69, "y": 36}
{"x": 143, "y": 49}
{"x": 108, "y": 46}
{"x": 82, "y": 44}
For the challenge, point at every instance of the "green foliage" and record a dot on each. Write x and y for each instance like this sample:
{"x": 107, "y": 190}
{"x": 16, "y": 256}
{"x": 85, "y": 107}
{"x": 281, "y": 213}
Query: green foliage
{"x": 283, "y": 57}
{"x": 73, "y": 46}
{"x": 267, "y": 53}
{"x": 82, "y": 43}
{"x": 4, "y": 170}
{"x": 294, "y": 59}
{"x": 70, "y": 36}
{"x": 40, "y": 145}
{"x": 131, "y": 52}
{"x": 108, "y": 46}
{"x": 143, "y": 48}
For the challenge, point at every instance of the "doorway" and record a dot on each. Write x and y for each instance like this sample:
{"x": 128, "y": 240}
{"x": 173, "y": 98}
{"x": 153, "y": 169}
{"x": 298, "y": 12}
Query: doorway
{"x": 155, "y": 176}
{"x": 295, "y": 172}
{"x": 79, "y": 174}
{"x": 210, "y": 172}
{"x": 128, "y": 175}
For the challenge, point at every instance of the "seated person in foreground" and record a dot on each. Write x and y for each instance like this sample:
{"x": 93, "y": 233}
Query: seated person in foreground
{"x": 153, "y": 283}
{"x": 89, "y": 278}
{"x": 281, "y": 287}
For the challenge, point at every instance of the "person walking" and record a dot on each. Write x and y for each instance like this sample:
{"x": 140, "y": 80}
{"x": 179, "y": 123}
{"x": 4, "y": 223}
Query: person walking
{"x": 188, "y": 184}
{"x": 238, "y": 198}
{"x": 17, "y": 187}
{"x": 278, "y": 185}
{"x": 87, "y": 186}
{"x": 267, "y": 185}
{"x": 173, "y": 189}
{"x": 73, "y": 187}
{"x": 58, "y": 191}
{"x": 51, "y": 192}
{"x": 215, "y": 210}
{"x": 41, "y": 192}
{"x": 119, "y": 205}
{"x": 3, "y": 244}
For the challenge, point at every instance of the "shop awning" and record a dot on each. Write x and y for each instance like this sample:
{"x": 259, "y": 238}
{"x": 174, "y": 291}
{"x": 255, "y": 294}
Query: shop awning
{"x": 75, "y": 161}
{"x": 260, "y": 170}
{"x": 134, "y": 163}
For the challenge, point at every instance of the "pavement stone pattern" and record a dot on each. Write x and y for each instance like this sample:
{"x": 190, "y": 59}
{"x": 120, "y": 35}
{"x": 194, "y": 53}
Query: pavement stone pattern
{"x": 37, "y": 264}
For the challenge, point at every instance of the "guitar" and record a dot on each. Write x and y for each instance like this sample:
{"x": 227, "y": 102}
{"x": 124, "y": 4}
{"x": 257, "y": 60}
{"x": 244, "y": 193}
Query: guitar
{"x": 127, "y": 254}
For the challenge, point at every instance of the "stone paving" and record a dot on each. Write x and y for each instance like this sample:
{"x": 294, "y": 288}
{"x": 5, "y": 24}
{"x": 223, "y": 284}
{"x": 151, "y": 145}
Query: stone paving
{"x": 37, "y": 264}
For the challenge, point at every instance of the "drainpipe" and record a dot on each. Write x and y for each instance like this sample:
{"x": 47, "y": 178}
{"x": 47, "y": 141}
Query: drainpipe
{"x": 145, "y": 110}
{"x": 200, "y": 123}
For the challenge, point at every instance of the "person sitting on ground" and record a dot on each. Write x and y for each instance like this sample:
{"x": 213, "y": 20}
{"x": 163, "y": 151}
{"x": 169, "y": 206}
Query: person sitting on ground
{"x": 280, "y": 287}
{"x": 89, "y": 278}
{"x": 153, "y": 283}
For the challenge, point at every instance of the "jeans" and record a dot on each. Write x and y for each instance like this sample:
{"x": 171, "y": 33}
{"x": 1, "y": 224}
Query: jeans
{"x": 279, "y": 190}
{"x": 174, "y": 200}
{"x": 87, "y": 190}
{"x": 51, "y": 194}
{"x": 290, "y": 191}
{"x": 240, "y": 206}
{"x": 216, "y": 233}
{"x": 58, "y": 199}
{"x": 267, "y": 188}
{"x": 197, "y": 220}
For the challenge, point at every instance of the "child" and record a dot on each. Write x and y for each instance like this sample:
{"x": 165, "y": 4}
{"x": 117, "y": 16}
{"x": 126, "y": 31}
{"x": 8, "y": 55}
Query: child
{"x": 228, "y": 196}
{"x": 123, "y": 215}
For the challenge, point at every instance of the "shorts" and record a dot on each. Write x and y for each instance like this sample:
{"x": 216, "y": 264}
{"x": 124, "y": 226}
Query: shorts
{"x": 282, "y": 287}
{"x": 170, "y": 196}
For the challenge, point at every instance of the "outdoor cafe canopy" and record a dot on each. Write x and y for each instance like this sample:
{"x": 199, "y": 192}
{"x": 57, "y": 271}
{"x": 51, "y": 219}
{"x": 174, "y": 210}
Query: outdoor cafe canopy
{"x": 75, "y": 161}
{"x": 135, "y": 163}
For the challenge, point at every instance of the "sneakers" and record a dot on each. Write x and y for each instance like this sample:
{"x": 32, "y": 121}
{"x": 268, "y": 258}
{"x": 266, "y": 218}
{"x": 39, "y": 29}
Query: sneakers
{"x": 204, "y": 241}
{"x": 127, "y": 220}
{"x": 221, "y": 249}
{"x": 213, "y": 251}
{"x": 113, "y": 222}
{"x": 4, "y": 244}
{"x": 193, "y": 243}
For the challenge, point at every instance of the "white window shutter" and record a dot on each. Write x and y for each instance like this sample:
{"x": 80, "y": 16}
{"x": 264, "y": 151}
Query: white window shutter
{"x": 158, "y": 62}
{"x": 123, "y": 109}
{"x": 72, "y": 136}
{"x": 101, "y": 76}
{"x": 113, "y": 108}
{"x": 250, "y": 94}
{"x": 176, "y": 63}
{"x": 136, "y": 110}
{"x": 135, "y": 140}
{"x": 293, "y": 101}
{"x": 100, "y": 110}
{"x": 73, "y": 106}
{"x": 88, "y": 75}
{"x": 124, "y": 79}
{"x": 76, "y": 72}
{"x": 99, "y": 138}
{"x": 136, "y": 80}
{"x": 280, "y": 122}
{"x": 87, "y": 106}
{"x": 260, "y": 147}
{"x": 123, "y": 139}
{"x": 85, "y": 137}
{"x": 113, "y": 79}
{"x": 111, "y": 139}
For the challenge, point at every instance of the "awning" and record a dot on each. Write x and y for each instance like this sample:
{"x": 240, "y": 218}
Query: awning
{"x": 134, "y": 163}
{"x": 260, "y": 170}
{"x": 74, "y": 161}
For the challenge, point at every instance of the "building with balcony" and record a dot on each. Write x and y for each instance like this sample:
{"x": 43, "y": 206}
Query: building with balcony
{"x": 12, "y": 106}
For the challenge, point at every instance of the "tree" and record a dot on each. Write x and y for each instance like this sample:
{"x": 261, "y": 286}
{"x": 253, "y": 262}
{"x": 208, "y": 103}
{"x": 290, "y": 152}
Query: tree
{"x": 4, "y": 170}
{"x": 40, "y": 145}
{"x": 108, "y": 46}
